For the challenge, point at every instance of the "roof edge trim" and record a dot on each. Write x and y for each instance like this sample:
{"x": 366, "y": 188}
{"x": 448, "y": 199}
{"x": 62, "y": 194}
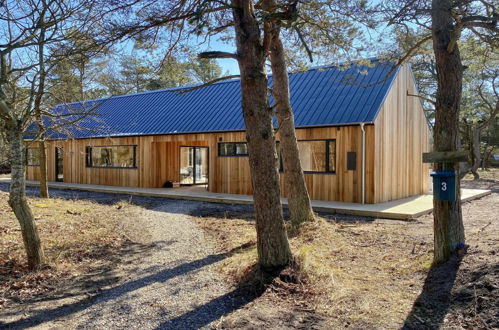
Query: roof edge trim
{"x": 204, "y": 132}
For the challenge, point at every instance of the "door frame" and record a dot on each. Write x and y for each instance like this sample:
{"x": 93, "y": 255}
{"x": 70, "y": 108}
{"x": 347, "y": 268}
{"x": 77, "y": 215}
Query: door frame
{"x": 56, "y": 166}
{"x": 194, "y": 164}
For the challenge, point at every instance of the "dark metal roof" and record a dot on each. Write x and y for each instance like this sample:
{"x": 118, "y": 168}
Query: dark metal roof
{"x": 320, "y": 97}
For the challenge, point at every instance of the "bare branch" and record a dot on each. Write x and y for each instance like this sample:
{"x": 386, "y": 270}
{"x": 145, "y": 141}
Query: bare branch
{"x": 423, "y": 98}
{"x": 214, "y": 81}
{"x": 216, "y": 54}
{"x": 304, "y": 43}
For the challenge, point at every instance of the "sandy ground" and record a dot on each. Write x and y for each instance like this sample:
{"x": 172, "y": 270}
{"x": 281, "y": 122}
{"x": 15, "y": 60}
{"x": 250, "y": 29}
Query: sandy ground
{"x": 168, "y": 277}
{"x": 165, "y": 279}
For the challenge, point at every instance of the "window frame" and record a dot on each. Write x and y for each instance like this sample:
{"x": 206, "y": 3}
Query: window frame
{"x": 88, "y": 157}
{"x": 327, "y": 154}
{"x": 219, "y": 148}
{"x": 28, "y": 158}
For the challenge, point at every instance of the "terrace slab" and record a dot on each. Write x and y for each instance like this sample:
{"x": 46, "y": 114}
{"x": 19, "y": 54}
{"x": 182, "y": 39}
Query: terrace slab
{"x": 401, "y": 209}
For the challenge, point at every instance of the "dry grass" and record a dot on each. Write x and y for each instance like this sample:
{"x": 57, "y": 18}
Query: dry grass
{"x": 230, "y": 234}
{"x": 363, "y": 273}
{"x": 369, "y": 274}
{"x": 366, "y": 273}
{"x": 489, "y": 174}
{"x": 77, "y": 236}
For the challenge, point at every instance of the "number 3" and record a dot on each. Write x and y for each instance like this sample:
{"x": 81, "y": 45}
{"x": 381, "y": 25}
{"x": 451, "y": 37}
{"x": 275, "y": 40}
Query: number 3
{"x": 444, "y": 186}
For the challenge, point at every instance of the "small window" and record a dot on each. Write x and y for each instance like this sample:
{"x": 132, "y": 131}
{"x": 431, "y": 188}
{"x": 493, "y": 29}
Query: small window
{"x": 351, "y": 161}
{"x": 112, "y": 156}
{"x": 232, "y": 149}
{"x": 33, "y": 157}
{"x": 318, "y": 156}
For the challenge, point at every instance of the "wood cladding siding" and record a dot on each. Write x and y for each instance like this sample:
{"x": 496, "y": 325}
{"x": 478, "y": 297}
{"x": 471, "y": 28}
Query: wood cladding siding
{"x": 401, "y": 136}
{"x": 393, "y": 166}
{"x": 158, "y": 161}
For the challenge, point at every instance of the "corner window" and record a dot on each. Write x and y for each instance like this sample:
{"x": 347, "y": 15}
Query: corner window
{"x": 33, "y": 157}
{"x": 318, "y": 156}
{"x": 232, "y": 149}
{"x": 112, "y": 156}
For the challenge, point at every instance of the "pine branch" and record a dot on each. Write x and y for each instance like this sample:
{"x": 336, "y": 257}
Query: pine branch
{"x": 190, "y": 89}
{"x": 216, "y": 54}
{"x": 423, "y": 98}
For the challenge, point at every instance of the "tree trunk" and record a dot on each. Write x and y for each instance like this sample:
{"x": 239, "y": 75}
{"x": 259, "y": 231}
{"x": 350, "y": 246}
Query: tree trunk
{"x": 18, "y": 202}
{"x": 80, "y": 80}
{"x": 448, "y": 221}
{"x": 475, "y": 149}
{"x": 44, "y": 190}
{"x": 471, "y": 135}
{"x": 297, "y": 193}
{"x": 42, "y": 147}
{"x": 272, "y": 241}
{"x": 486, "y": 156}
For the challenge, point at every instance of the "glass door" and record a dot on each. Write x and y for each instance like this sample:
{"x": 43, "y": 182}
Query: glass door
{"x": 59, "y": 164}
{"x": 193, "y": 165}
{"x": 200, "y": 165}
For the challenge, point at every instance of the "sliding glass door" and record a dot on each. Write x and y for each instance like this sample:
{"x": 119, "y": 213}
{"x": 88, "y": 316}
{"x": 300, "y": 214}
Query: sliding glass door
{"x": 59, "y": 164}
{"x": 194, "y": 165}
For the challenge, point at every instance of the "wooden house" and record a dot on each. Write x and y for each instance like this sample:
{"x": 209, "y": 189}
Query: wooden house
{"x": 361, "y": 137}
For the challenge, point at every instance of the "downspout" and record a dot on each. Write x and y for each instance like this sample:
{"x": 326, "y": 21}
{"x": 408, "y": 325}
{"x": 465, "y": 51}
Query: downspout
{"x": 363, "y": 169}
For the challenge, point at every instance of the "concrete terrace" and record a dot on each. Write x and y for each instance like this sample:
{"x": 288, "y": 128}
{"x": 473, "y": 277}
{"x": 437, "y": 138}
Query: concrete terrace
{"x": 402, "y": 209}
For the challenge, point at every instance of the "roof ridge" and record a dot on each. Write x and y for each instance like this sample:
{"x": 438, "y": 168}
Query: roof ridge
{"x": 173, "y": 89}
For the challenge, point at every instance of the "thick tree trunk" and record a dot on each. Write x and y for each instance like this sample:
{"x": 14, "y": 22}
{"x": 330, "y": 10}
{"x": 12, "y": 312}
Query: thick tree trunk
{"x": 297, "y": 193}
{"x": 448, "y": 221}
{"x": 272, "y": 241}
{"x": 18, "y": 202}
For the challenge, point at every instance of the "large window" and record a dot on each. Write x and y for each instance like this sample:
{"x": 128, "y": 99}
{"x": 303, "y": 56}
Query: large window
{"x": 318, "y": 156}
{"x": 232, "y": 149}
{"x": 112, "y": 156}
{"x": 33, "y": 157}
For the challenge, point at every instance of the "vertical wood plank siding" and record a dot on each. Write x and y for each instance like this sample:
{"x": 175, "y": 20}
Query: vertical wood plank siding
{"x": 394, "y": 145}
{"x": 401, "y": 137}
{"x": 158, "y": 161}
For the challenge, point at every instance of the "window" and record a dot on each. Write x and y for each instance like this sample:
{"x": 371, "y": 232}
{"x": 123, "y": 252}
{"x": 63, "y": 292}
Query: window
{"x": 318, "y": 156}
{"x": 33, "y": 157}
{"x": 232, "y": 149}
{"x": 112, "y": 156}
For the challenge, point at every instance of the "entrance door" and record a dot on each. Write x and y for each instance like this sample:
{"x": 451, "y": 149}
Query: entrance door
{"x": 59, "y": 164}
{"x": 193, "y": 165}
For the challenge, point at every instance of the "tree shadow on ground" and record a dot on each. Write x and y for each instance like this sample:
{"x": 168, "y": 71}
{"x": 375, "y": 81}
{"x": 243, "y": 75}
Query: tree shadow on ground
{"x": 251, "y": 286}
{"x": 147, "y": 202}
{"x": 211, "y": 311}
{"x": 246, "y": 212}
{"x": 433, "y": 303}
{"x": 205, "y": 209}
{"x": 489, "y": 184}
{"x": 199, "y": 316}
{"x": 85, "y": 285}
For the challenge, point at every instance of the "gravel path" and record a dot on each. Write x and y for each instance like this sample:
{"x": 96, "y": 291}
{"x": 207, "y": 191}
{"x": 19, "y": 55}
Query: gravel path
{"x": 172, "y": 285}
